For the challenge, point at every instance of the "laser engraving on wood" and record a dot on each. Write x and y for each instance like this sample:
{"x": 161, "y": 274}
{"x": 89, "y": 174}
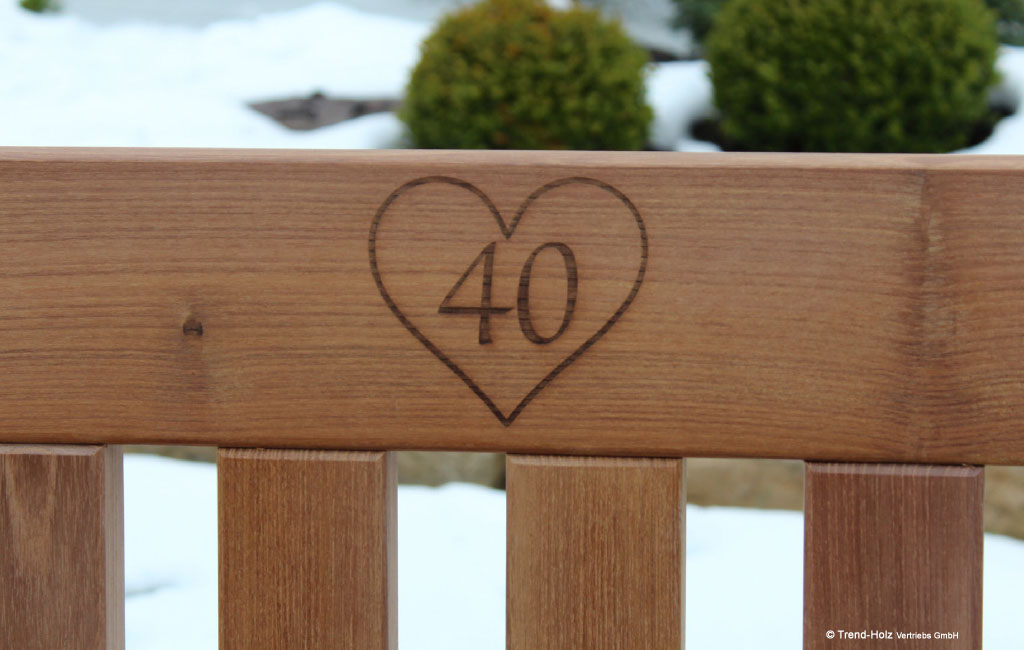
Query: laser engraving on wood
{"x": 823, "y": 307}
{"x": 523, "y": 298}
{"x": 604, "y": 262}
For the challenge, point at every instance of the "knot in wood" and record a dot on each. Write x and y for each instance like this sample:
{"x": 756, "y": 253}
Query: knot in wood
{"x": 193, "y": 326}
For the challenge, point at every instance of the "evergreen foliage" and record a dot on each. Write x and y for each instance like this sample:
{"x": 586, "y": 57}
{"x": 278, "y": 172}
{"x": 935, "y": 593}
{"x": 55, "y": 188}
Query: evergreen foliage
{"x": 516, "y": 74}
{"x": 852, "y": 75}
{"x": 698, "y": 17}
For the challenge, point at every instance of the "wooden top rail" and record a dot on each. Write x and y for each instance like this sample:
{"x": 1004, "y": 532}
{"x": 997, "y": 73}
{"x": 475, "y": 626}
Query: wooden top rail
{"x": 857, "y": 308}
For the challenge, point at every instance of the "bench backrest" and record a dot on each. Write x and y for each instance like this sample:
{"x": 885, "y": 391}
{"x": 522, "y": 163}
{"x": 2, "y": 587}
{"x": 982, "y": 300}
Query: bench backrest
{"x": 843, "y": 309}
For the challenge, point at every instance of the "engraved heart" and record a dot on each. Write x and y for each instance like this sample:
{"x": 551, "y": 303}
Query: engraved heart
{"x": 508, "y": 316}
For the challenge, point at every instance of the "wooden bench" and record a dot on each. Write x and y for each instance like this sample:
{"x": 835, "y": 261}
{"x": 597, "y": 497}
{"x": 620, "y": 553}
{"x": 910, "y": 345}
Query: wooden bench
{"x": 598, "y": 316}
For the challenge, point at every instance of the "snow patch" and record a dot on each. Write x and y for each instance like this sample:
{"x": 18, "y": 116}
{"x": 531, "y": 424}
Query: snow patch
{"x": 744, "y": 568}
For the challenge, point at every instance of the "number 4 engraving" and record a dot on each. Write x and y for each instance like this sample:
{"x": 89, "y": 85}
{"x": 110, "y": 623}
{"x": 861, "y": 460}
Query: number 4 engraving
{"x": 484, "y": 310}
{"x": 523, "y": 299}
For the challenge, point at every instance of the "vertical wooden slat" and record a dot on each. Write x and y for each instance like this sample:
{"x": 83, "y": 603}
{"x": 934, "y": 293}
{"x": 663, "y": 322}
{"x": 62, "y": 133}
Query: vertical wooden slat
{"x": 595, "y": 552}
{"x": 61, "y": 547}
{"x": 307, "y": 550}
{"x": 892, "y": 549}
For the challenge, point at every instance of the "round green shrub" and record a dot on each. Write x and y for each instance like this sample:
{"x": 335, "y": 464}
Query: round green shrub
{"x": 852, "y": 75}
{"x": 516, "y": 74}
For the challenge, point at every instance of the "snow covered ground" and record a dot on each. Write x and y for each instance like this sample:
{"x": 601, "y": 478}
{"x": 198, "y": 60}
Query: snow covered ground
{"x": 66, "y": 81}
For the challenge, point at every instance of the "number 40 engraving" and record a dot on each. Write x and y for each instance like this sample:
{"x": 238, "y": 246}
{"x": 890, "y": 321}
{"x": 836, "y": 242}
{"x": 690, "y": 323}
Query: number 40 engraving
{"x": 484, "y": 310}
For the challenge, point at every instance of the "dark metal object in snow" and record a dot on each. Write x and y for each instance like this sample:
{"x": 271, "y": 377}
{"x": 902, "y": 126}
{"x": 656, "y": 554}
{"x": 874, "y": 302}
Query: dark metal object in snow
{"x": 317, "y": 110}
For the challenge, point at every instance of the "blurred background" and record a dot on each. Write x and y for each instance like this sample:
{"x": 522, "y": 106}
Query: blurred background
{"x": 939, "y": 76}
{"x": 684, "y": 75}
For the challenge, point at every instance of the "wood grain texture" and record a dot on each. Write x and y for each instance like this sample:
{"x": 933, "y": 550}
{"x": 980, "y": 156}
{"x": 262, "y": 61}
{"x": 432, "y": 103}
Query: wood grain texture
{"x": 892, "y": 549}
{"x": 858, "y": 308}
{"x": 307, "y": 550}
{"x": 595, "y": 553}
{"x": 61, "y": 547}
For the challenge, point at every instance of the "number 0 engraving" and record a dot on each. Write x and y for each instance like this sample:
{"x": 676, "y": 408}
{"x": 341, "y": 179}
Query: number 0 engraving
{"x": 523, "y": 299}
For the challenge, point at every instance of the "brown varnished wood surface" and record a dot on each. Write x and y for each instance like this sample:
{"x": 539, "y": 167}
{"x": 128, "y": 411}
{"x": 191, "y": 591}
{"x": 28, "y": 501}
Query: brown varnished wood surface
{"x": 595, "y": 552}
{"x": 61, "y": 547}
{"x": 892, "y": 549}
{"x": 822, "y": 307}
{"x": 307, "y": 549}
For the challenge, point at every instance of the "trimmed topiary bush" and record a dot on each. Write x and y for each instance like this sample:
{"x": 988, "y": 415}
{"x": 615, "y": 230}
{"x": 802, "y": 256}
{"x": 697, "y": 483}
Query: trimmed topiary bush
{"x": 852, "y": 75}
{"x": 698, "y": 16}
{"x": 516, "y": 74}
